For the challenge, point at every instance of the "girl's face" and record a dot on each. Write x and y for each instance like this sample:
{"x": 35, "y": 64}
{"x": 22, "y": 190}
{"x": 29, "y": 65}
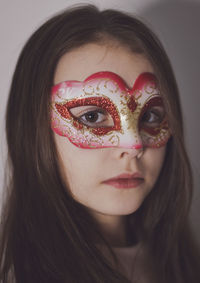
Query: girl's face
{"x": 89, "y": 172}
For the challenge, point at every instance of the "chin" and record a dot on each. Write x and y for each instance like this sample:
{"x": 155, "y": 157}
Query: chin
{"x": 120, "y": 209}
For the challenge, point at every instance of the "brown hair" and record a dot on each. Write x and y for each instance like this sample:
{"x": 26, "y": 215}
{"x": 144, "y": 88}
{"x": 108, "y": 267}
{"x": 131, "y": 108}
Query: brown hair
{"x": 46, "y": 236}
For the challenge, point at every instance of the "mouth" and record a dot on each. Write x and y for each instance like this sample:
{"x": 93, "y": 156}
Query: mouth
{"x": 125, "y": 181}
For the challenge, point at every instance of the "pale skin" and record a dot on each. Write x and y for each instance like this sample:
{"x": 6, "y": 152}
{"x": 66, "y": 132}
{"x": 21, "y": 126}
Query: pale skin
{"x": 85, "y": 169}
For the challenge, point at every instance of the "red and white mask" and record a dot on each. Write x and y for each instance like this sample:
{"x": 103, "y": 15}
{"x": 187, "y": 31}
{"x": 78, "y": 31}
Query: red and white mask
{"x": 103, "y": 112}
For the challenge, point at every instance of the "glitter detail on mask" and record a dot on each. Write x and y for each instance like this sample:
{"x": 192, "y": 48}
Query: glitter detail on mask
{"x": 102, "y": 102}
{"x": 132, "y": 104}
{"x": 157, "y": 135}
{"x": 126, "y": 107}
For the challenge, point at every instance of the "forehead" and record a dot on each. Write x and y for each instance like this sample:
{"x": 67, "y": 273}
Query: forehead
{"x": 81, "y": 62}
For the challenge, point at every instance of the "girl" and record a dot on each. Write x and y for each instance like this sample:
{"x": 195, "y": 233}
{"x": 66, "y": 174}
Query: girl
{"x": 100, "y": 185}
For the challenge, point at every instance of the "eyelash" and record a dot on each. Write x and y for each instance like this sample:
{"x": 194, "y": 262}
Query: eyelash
{"x": 84, "y": 120}
{"x": 156, "y": 113}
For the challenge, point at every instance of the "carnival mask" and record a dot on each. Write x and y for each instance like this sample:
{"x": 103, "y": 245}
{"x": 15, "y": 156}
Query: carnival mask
{"x": 103, "y": 112}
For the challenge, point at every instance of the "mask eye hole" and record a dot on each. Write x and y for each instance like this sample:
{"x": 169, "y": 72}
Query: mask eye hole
{"x": 153, "y": 117}
{"x": 98, "y": 113}
{"x": 92, "y": 116}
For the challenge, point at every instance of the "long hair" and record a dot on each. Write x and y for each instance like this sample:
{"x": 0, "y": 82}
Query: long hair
{"x": 46, "y": 236}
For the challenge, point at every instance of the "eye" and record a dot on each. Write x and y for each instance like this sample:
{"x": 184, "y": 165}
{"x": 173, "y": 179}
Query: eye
{"x": 153, "y": 117}
{"x": 92, "y": 116}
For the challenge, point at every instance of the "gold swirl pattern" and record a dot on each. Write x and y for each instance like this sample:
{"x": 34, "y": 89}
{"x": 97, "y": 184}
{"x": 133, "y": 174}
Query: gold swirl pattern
{"x": 116, "y": 99}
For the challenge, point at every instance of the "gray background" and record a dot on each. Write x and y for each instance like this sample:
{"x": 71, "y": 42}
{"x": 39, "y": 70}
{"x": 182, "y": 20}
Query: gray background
{"x": 176, "y": 22}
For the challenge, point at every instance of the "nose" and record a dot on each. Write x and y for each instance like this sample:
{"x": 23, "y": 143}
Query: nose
{"x": 130, "y": 152}
{"x": 131, "y": 137}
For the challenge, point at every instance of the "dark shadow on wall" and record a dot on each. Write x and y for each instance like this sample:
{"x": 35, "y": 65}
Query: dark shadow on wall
{"x": 177, "y": 23}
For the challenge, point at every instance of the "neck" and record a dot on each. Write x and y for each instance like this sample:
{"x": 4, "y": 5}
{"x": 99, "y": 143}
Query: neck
{"x": 114, "y": 229}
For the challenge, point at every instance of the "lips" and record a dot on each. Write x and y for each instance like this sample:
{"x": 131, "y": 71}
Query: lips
{"x": 125, "y": 181}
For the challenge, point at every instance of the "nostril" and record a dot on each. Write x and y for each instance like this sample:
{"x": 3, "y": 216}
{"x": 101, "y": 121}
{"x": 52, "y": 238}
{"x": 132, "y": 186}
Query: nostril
{"x": 133, "y": 152}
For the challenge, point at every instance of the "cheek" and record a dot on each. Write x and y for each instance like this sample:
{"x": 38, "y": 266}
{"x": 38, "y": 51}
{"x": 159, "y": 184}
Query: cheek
{"x": 81, "y": 167}
{"x": 154, "y": 160}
